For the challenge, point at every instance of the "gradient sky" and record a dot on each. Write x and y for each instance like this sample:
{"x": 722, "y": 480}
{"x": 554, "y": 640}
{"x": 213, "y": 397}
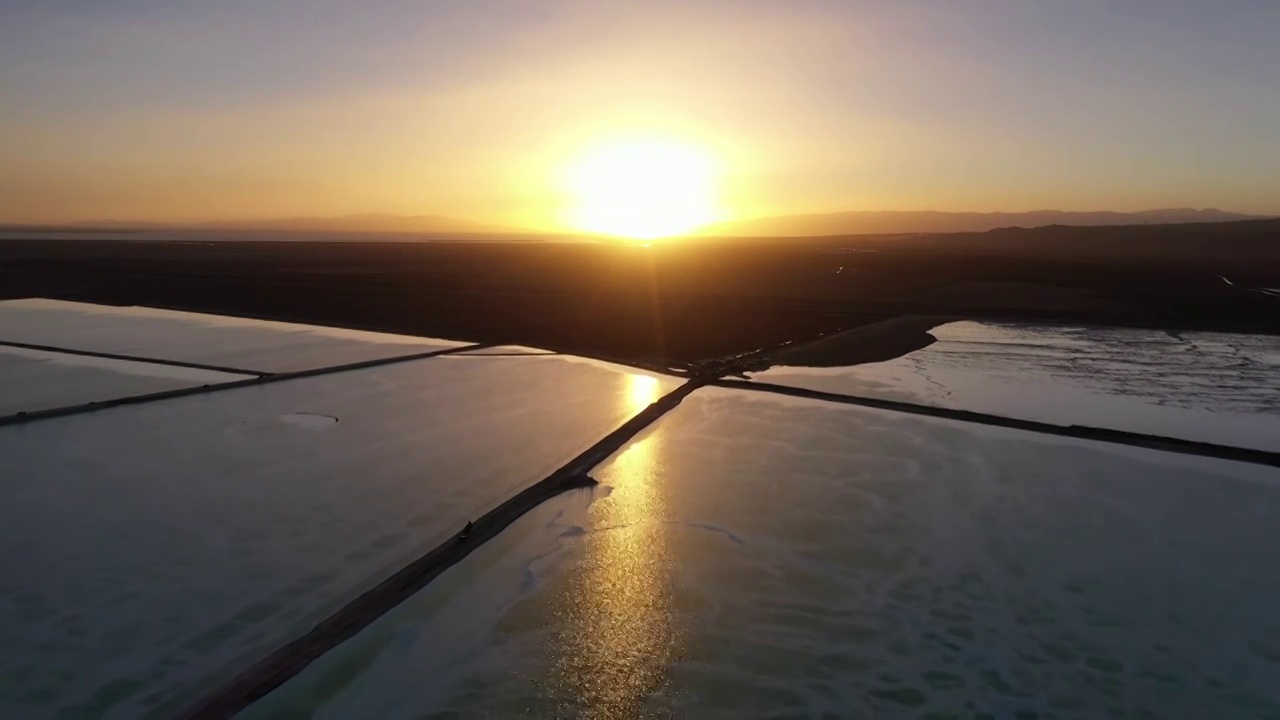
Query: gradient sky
{"x": 195, "y": 109}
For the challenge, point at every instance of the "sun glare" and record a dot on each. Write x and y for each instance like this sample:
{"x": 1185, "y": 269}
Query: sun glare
{"x": 643, "y": 188}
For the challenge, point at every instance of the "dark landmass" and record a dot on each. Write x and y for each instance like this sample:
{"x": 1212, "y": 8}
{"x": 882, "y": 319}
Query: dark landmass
{"x": 684, "y": 301}
{"x": 875, "y": 342}
{"x": 895, "y": 222}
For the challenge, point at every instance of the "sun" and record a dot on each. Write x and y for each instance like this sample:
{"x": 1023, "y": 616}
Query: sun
{"x": 643, "y": 188}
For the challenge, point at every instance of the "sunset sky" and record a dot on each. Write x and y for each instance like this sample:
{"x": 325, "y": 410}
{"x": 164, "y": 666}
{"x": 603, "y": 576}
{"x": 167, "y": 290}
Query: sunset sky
{"x": 481, "y": 109}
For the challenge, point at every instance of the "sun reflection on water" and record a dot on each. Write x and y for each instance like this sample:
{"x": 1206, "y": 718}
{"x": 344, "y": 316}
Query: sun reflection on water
{"x": 642, "y": 390}
{"x": 620, "y": 620}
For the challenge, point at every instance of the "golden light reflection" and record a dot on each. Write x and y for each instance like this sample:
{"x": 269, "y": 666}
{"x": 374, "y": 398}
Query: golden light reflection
{"x": 622, "y": 624}
{"x": 643, "y": 188}
{"x": 642, "y": 390}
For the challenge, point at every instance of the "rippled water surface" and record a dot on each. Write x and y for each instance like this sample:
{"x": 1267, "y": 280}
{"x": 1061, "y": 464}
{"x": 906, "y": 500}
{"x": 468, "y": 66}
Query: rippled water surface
{"x": 756, "y": 556}
{"x": 154, "y": 550}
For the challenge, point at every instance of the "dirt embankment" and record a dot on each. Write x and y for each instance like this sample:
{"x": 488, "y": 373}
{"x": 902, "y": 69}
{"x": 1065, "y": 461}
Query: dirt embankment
{"x": 876, "y": 342}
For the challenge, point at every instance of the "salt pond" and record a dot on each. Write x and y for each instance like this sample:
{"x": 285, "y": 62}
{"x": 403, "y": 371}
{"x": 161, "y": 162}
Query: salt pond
{"x": 156, "y": 549}
{"x": 1196, "y": 386}
{"x": 238, "y": 343}
{"x": 760, "y": 556}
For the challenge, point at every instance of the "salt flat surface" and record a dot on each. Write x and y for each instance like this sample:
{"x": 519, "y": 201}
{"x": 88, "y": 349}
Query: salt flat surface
{"x": 37, "y": 380}
{"x": 154, "y": 549}
{"x": 761, "y": 557}
{"x": 1196, "y": 386}
{"x": 237, "y": 343}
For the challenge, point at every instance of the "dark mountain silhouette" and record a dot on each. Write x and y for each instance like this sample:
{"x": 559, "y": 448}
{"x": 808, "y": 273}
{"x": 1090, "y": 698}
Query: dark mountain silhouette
{"x": 1247, "y": 241}
{"x": 363, "y": 223}
{"x": 811, "y": 225}
{"x": 372, "y": 222}
{"x": 888, "y": 222}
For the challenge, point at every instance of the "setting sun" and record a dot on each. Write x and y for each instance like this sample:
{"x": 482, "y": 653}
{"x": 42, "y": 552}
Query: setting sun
{"x": 643, "y": 188}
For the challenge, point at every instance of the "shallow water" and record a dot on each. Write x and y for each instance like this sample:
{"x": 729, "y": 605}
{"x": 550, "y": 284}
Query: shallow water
{"x": 32, "y": 380}
{"x": 1197, "y": 386}
{"x": 239, "y": 343}
{"x": 156, "y": 549}
{"x": 757, "y": 556}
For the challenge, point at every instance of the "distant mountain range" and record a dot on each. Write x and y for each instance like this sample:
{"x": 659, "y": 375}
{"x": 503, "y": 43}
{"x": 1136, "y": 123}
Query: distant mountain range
{"x": 868, "y": 222}
{"x": 372, "y": 223}
{"x": 872, "y": 222}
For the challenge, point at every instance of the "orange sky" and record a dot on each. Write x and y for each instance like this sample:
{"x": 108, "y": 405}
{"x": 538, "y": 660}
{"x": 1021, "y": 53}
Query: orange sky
{"x": 149, "y": 111}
